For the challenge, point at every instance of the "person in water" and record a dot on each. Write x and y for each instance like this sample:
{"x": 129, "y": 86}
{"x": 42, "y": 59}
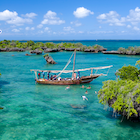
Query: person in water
{"x": 89, "y": 87}
{"x": 86, "y": 92}
{"x": 85, "y": 98}
{"x": 83, "y": 86}
{"x": 67, "y": 87}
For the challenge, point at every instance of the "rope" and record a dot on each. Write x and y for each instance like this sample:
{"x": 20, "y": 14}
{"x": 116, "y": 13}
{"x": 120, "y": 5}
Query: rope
{"x": 65, "y": 66}
{"x": 107, "y": 73}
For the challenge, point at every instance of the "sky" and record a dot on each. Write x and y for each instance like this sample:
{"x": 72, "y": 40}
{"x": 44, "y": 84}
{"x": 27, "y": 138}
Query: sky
{"x": 69, "y": 19}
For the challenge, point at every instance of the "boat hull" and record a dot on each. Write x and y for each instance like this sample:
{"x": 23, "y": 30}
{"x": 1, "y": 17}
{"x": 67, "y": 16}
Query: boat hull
{"x": 82, "y": 80}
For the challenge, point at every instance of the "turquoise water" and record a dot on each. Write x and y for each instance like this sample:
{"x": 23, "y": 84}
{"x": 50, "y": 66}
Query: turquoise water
{"x": 40, "y": 112}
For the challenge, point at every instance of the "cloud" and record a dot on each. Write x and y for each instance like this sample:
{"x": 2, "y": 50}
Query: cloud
{"x": 82, "y": 12}
{"x": 29, "y": 15}
{"x": 16, "y": 30}
{"x": 80, "y": 32}
{"x": 136, "y": 28}
{"x": 19, "y": 21}
{"x": 100, "y": 32}
{"x": 134, "y": 16}
{"x": 128, "y": 26}
{"x": 6, "y": 15}
{"x": 68, "y": 29}
{"x": 28, "y": 28}
{"x": 52, "y": 19}
{"x": 113, "y": 18}
{"x": 13, "y": 18}
{"x": 47, "y": 28}
{"x": 39, "y": 26}
{"x": 76, "y": 23}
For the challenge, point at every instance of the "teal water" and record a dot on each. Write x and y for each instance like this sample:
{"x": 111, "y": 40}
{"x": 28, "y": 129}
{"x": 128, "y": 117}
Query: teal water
{"x": 40, "y": 112}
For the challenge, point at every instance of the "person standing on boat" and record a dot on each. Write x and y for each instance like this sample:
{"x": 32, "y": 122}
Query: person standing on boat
{"x": 48, "y": 75}
{"x": 74, "y": 75}
{"x": 43, "y": 73}
{"x": 54, "y": 77}
{"x": 39, "y": 75}
{"x": 78, "y": 75}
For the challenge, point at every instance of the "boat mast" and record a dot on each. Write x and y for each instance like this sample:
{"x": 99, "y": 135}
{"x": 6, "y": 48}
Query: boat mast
{"x": 74, "y": 64}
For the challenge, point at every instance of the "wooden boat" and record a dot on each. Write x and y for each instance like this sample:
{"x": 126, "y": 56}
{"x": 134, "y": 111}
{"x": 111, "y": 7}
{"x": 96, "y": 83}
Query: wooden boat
{"x": 69, "y": 81}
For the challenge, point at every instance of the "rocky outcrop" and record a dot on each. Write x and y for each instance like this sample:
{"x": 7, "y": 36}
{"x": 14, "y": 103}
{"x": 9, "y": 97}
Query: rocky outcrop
{"x": 36, "y": 51}
{"x": 4, "y": 49}
{"x": 49, "y": 60}
{"x": 50, "y": 50}
{"x": 110, "y": 52}
{"x": 121, "y": 52}
{"x": 69, "y": 49}
{"x": 12, "y": 49}
{"x": 16, "y": 49}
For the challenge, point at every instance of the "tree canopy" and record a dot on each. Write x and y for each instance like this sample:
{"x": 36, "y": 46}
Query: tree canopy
{"x": 123, "y": 95}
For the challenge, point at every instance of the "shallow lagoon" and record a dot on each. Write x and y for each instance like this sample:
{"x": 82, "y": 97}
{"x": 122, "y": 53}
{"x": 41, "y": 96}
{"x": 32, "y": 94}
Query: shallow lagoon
{"x": 41, "y": 112}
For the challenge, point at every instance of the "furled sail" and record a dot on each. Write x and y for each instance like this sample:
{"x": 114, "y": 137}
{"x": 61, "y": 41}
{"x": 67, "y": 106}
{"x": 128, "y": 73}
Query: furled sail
{"x": 70, "y": 71}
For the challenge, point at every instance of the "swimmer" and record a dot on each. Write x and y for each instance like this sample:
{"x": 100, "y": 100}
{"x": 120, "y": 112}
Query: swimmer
{"x": 95, "y": 92}
{"x": 67, "y": 87}
{"x": 89, "y": 87}
{"x": 85, "y": 98}
{"x": 82, "y": 86}
{"x": 86, "y": 92}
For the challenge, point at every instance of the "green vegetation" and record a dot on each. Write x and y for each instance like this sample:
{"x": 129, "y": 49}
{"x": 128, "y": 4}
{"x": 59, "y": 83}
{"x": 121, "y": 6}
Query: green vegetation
{"x": 45, "y": 55}
{"x": 31, "y": 45}
{"x": 129, "y": 50}
{"x": 123, "y": 95}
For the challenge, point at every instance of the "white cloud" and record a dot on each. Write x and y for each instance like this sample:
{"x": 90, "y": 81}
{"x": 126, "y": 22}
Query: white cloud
{"x": 19, "y": 21}
{"x": 100, "y": 32}
{"x": 40, "y": 32}
{"x": 6, "y": 15}
{"x": 30, "y": 15}
{"x": 47, "y": 28}
{"x": 16, "y": 30}
{"x": 136, "y": 28}
{"x": 100, "y": 27}
{"x": 32, "y": 28}
{"x": 52, "y": 19}
{"x": 80, "y": 32}
{"x": 82, "y": 12}
{"x": 76, "y": 23}
{"x": 134, "y": 15}
{"x": 13, "y": 18}
{"x": 68, "y": 29}
{"x": 128, "y": 26}
{"x": 28, "y": 28}
{"x": 112, "y": 18}
{"x": 39, "y": 26}
{"x": 54, "y": 33}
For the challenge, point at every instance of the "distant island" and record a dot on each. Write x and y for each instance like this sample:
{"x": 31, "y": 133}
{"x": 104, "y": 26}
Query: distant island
{"x": 39, "y": 47}
{"x": 125, "y": 51}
